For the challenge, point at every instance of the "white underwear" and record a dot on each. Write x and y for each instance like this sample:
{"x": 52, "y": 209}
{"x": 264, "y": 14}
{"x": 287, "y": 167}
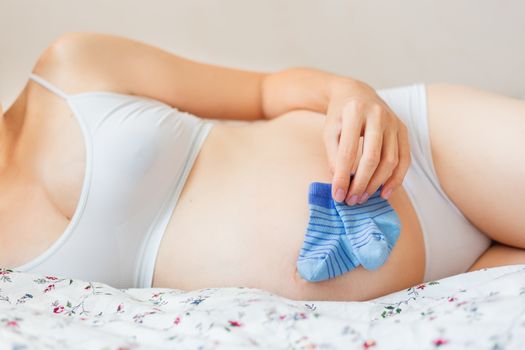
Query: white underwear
{"x": 452, "y": 243}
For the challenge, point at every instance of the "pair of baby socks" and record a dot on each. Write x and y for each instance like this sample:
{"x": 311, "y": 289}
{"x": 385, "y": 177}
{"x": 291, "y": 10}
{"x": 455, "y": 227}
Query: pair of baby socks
{"x": 340, "y": 237}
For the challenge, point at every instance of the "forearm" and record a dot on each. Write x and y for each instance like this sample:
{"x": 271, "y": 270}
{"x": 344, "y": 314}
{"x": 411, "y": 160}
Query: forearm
{"x": 302, "y": 88}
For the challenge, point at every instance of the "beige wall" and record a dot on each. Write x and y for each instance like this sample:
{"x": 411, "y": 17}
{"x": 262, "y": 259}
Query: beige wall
{"x": 385, "y": 43}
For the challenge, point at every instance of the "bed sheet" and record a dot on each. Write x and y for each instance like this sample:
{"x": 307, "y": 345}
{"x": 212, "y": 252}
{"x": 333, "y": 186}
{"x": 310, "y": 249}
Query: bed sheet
{"x": 479, "y": 310}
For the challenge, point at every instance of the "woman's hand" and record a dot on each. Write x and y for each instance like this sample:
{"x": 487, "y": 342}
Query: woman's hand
{"x": 383, "y": 156}
{"x": 353, "y": 110}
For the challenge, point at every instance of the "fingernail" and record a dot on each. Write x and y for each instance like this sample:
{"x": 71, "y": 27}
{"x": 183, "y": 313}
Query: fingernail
{"x": 363, "y": 198}
{"x": 339, "y": 195}
{"x": 352, "y": 200}
{"x": 387, "y": 193}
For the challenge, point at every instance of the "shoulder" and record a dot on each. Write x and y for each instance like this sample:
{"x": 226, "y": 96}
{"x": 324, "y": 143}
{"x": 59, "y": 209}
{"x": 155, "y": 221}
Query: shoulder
{"x": 74, "y": 62}
{"x": 66, "y": 64}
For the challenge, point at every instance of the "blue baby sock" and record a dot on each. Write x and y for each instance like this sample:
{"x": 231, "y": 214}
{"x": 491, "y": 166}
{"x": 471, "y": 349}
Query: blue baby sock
{"x": 340, "y": 237}
{"x": 324, "y": 255}
{"x": 372, "y": 229}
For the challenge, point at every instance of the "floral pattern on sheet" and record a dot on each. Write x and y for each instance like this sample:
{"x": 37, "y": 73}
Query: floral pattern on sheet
{"x": 479, "y": 310}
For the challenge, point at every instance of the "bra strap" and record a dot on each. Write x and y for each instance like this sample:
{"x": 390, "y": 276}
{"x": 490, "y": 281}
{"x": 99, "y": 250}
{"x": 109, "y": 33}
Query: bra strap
{"x": 48, "y": 85}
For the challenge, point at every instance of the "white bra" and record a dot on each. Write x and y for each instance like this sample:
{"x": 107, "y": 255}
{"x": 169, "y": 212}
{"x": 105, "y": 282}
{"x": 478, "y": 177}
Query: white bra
{"x": 139, "y": 152}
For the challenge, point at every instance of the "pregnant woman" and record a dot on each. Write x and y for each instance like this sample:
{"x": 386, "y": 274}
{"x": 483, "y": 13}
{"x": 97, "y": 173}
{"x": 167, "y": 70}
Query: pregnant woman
{"x": 117, "y": 166}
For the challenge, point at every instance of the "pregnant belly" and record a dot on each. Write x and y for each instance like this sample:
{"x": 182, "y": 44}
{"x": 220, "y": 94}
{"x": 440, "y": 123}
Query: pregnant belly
{"x": 243, "y": 212}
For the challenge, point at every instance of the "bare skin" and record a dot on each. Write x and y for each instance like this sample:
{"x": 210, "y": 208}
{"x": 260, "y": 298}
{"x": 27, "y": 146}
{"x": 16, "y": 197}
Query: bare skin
{"x": 252, "y": 232}
{"x": 255, "y": 242}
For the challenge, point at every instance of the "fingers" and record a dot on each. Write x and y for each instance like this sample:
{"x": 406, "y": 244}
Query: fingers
{"x": 347, "y": 150}
{"x": 381, "y": 156}
{"x": 396, "y": 179}
{"x": 372, "y": 144}
{"x": 358, "y": 157}
{"x": 389, "y": 161}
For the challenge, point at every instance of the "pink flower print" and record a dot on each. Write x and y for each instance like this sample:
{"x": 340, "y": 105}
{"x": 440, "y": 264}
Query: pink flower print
{"x": 439, "y": 342}
{"x": 58, "y": 309}
{"x": 48, "y": 288}
{"x": 11, "y": 324}
{"x": 235, "y": 323}
{"x": 369, "y": 344}
{"x": 177, "y": 320}
{"x": 421, "y": 286}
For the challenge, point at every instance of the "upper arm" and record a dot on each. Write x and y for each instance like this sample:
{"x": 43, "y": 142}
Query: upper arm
{"x": 106, "y": 62}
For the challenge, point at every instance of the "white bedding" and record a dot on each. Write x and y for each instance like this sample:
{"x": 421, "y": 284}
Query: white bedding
{"x": 479, "y": 310}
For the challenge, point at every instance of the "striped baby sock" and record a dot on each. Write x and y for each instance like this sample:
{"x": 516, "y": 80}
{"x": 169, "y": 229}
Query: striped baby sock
{"x": 372, "y": 229}
{"x": 340, "y": 237}
{"x": 324, "y": 254}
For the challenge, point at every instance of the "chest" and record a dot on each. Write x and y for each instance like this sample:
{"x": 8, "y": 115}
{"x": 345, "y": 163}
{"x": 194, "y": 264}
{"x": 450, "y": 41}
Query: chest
{"x": 30, "y": 223}
{"x": 40, "y": 195}
{"x": 61, "y": 163}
